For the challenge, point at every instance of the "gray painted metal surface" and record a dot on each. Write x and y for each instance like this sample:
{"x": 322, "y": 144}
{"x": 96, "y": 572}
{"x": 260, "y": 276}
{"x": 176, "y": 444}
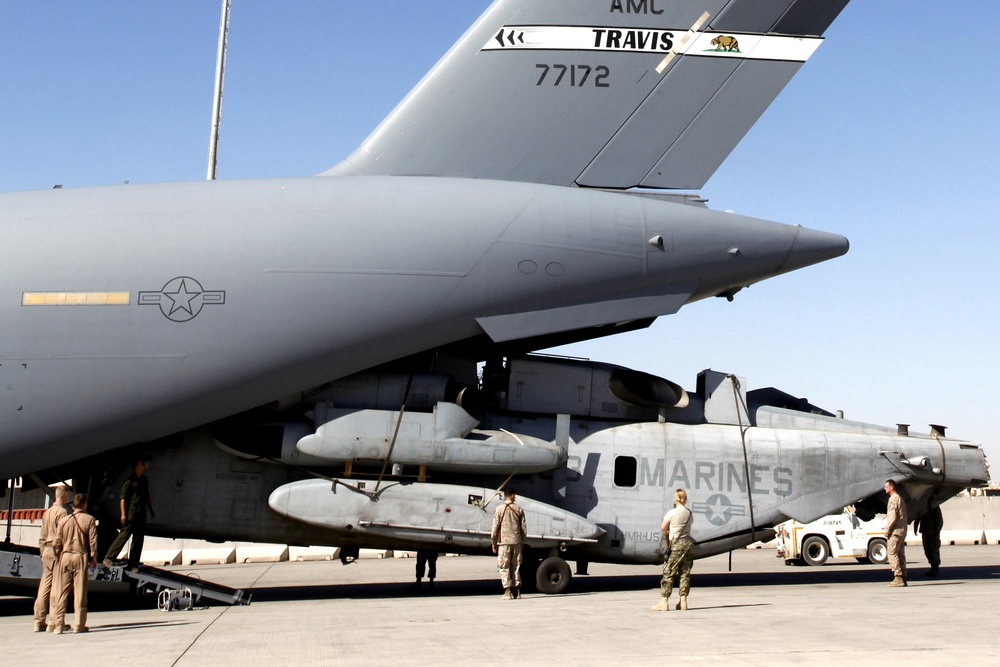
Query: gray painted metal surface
{"x": 581, "y": 93}
{"x": 443, "y": 516}
{"x": 196, "y": 301}
{"x": 444, "y": 439}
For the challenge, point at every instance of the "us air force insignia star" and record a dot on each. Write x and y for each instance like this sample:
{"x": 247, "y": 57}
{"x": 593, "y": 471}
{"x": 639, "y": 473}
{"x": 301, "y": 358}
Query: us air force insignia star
{"x": 182, "y": 298}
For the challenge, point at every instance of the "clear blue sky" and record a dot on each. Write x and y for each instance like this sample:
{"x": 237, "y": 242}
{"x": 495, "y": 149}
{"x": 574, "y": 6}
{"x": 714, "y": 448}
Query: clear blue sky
{"x": 888, "y": 135}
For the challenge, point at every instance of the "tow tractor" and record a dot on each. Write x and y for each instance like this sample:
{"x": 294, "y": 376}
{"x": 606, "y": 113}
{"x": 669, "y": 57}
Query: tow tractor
{"x": 841, "y": 535}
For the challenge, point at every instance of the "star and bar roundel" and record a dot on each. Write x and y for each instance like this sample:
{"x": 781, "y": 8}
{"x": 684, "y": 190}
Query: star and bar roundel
{"x": 182, "y": 298}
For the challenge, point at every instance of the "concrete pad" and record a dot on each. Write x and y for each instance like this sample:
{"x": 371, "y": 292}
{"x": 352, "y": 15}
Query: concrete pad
{"x": 760, "y": 613}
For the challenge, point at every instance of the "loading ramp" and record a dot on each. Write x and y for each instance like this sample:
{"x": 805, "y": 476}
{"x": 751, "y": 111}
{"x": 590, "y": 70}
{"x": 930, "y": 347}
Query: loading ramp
{"x": 21, "y": 571}
{"x": 157, "y": 579}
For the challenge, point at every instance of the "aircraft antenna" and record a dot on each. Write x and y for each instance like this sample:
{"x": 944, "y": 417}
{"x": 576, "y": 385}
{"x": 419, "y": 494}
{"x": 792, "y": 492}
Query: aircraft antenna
{"x": 395, "y": 433}
{"x": 746, "y": 463}
{"x": 220, "y": 71}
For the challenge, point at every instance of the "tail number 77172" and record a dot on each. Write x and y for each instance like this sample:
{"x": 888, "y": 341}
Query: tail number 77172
{"x": 579, "y": 75}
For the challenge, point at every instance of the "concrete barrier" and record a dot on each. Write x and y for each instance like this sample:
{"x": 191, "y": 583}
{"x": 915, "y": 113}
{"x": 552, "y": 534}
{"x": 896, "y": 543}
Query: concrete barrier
{"x": 161, "y": 557}
{"x": 991, "y": 518}
{"x": 312, "y": 553}
{"x": 375, "y": 553}
{"x": 260, "y": 553}
{"x": 965, "y": 520}
{"x": 23, "y": 532}
{"x": 221, "y": 554}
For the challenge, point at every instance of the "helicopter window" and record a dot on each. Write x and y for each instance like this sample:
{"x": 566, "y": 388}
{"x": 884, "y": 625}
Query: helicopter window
{"x": 625, "y": 470}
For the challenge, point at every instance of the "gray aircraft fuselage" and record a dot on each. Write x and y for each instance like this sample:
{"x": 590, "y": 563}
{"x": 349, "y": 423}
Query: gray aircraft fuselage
{"x": 133, "y": 312}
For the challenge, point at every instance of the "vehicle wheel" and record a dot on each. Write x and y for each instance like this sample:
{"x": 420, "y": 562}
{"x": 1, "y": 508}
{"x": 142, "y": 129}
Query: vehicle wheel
{"x": 553, "y": 576}
{"x": 815, "y": 550}
{"x": 878, "y": 551}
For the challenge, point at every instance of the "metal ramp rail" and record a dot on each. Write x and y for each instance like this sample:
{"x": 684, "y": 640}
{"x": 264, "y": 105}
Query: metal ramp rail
{"x": 158, "y": 579}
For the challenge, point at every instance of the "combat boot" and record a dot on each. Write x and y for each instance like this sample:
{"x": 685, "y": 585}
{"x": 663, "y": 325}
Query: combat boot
{"x": 39, "y": 626}
{"x": 664, "y": 605}
{"x": 507, "y": 595}
{"x": 683, "y": 604}
{"x": 897, "y": 581}
{"x": 516, "y": 592}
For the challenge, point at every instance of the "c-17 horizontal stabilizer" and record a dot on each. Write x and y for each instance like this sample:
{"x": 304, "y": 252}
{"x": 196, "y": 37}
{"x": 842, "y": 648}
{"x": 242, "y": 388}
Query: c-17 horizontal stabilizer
{"x": 613, "y": 94}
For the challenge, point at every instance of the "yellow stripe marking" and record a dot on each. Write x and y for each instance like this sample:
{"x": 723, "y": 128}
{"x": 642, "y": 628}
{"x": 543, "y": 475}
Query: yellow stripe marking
{"x": 75, "y": 298}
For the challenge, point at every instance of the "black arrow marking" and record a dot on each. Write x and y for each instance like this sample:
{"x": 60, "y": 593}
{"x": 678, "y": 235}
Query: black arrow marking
{"x": 504, "y": 40}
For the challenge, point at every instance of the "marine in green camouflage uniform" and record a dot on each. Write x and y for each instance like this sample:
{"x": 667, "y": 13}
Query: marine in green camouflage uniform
{"x": 676, "y": 526}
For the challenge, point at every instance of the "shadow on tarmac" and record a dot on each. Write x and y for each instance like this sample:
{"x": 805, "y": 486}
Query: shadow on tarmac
{"x": 24, "y": 606}
{"x": 585, "y": 585}
{"x": 115, "y": 627}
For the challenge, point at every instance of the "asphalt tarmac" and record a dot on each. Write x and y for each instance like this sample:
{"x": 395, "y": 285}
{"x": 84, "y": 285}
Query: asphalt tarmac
{"x": 762, "y": 612}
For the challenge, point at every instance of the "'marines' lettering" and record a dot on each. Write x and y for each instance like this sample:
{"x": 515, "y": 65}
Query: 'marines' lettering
{"x": 720, "y": 477}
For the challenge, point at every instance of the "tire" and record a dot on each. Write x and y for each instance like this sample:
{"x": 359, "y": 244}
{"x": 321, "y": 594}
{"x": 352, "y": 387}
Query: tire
{"x": 878, "y": 551}
{"x": 815, "y": 550}
{"x": 553, "y": 576}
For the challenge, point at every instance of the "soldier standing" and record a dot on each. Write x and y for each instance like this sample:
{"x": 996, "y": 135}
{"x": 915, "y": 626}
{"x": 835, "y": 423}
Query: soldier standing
{"x": 133, "y": 501}
{"x": 426, "y": 562}
{"x": 507, "y": 536}
{"x": 895, "y": 533}
{"x": 74, "y": 548}
{"x": 929, "y": 526}
{"x": 46, "y": 540}
{"x": 676, "y": 526}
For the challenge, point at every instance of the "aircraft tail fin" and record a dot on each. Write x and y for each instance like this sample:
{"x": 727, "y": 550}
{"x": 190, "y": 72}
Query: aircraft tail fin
{"x": 611, "y": 94}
